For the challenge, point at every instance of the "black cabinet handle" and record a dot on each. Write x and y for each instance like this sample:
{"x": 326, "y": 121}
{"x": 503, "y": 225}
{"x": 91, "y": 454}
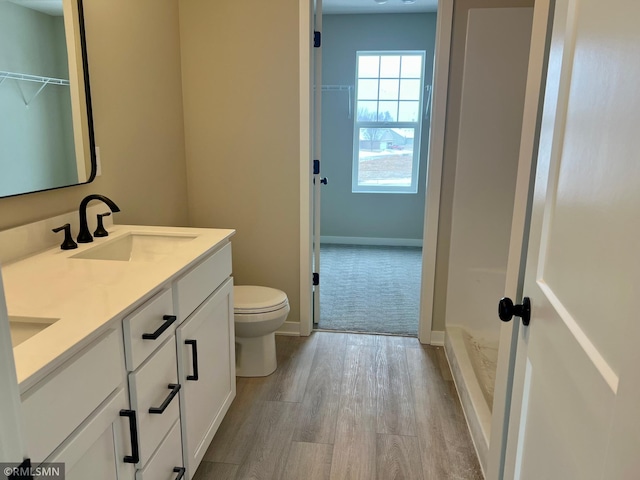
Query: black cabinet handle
{"x": 133, "y": 432}
{"x": 194, "y": 346}
{"x": 175, "y": 388}
{"x": 180, "y": 471}
{"x": 168, "y": 320}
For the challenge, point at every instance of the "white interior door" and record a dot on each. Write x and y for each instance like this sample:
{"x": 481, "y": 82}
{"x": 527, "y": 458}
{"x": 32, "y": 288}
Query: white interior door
{"x": 574, "y": 411}
{"x": 317, "y": 154}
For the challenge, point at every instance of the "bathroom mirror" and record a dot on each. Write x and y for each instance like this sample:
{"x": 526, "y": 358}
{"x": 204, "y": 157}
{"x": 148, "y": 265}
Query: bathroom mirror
{"x": 46, "y": 126}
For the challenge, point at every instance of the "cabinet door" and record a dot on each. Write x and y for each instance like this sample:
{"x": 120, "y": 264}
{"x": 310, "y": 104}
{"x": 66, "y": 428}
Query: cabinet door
{"x": 206, "y": 368}
{"x": 97, "y": 449}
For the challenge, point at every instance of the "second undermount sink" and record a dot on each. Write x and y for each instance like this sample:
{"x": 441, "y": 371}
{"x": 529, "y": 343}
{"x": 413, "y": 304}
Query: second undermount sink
{"x": 136, "y": 247}
{"x": 23, "y": 328}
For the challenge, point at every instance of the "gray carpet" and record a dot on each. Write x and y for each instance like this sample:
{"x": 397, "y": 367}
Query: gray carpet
{"x": 373, "y": 289}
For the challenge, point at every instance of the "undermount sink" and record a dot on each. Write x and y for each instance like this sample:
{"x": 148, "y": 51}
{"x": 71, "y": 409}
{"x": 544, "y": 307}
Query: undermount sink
{"x": 23, "y": 328}
{"x": 136, "y": 247}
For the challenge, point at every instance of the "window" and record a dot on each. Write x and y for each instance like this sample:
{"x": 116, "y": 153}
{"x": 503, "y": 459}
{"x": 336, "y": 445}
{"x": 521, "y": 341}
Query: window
{"x": 388, "y": 121}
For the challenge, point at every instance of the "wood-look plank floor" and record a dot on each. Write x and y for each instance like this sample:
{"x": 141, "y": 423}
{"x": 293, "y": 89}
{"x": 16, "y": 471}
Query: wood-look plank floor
{"x": 346, "y": 406}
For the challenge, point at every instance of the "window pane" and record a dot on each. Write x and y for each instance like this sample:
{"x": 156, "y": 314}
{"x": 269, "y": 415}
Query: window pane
{"x": 389, "y": 89}
{"x": 390, "y": 66}
{"x": 409, "y": 89}
{"x": 388, "y": 112}
{"x": 368, "y": 66}
{"x": 409, "y": 112}
{"x": 367, "y": 89}
{"x": 385, "y": 157}
{"x": 411, "y": 66}
{"x": 367, "y": 111}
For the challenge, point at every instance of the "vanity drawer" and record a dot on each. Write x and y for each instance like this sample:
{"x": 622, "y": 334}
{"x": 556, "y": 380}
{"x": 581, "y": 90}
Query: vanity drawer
{"x": 167, "y": 458}
{"x": 195, "y": 286}
{"x": 149, "y": 388}
{"x": 54, "y": 408}
{"x": 152, "y": 318}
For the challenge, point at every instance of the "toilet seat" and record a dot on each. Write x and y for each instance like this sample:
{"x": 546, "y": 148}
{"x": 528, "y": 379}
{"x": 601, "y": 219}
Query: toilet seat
{"x": 254, "y": 300}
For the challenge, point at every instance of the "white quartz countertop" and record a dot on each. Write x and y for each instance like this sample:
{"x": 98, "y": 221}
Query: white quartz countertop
{"x": 87, "y": 295}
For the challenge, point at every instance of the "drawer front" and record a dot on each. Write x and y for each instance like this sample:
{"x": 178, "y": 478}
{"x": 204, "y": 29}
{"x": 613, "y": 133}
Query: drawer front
{"x": 149, "y": 388}
{"x": 196, "y": 285}
{"x": 167, "y": 458}
{"x": 154, "y": 315}
{"x": 55, "y": 407}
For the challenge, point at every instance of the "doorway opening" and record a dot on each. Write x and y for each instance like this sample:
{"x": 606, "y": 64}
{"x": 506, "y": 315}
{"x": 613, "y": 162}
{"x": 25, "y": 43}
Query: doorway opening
{"x": 377, "y": 73}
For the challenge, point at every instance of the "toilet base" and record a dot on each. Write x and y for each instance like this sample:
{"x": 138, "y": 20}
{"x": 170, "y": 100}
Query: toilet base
{"x": 256, "y": 356}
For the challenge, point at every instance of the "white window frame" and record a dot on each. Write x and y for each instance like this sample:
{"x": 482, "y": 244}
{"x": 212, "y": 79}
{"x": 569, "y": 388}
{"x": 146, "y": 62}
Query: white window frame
{"x": 417, "y": 126}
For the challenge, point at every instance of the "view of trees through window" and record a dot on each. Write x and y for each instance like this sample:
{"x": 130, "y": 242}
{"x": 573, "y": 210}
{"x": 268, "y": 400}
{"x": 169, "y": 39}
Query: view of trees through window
{"x": 389, "y": 88}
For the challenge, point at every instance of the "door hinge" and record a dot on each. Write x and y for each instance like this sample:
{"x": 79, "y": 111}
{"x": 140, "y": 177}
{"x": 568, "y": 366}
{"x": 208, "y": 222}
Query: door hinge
{"x": 316, "y": 167}
{"x": 317, "y": 39}
{"x": 316, "y": 279}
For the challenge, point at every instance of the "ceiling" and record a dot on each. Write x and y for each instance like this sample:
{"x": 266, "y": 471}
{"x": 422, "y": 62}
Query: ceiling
{"x": 370, "y": 6}
{"x": 50, "y": 7}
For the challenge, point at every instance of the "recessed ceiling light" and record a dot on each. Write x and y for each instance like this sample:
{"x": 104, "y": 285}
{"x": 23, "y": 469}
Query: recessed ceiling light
{"x": 408, "y": 2}
{"x": 380, "y": 2}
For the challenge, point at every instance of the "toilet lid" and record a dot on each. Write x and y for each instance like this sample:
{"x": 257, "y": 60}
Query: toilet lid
{"x": 249, "y": 299}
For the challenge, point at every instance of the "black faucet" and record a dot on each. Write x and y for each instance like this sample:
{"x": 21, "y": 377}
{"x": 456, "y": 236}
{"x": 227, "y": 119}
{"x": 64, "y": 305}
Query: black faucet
{"x": 85, "y": 236}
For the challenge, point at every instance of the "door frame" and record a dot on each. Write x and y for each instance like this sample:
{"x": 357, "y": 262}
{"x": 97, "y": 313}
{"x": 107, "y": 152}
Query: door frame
{"x": 434, "y": 167}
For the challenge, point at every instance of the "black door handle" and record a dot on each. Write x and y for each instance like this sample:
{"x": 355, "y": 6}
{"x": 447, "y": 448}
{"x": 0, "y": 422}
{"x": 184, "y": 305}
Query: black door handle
{"x": 175, "y": 388}
{"x": 507, "y": 310}
{"x": 194, "y": 346}
{"x": 133, "y": 432}
{"x": 180, "y": 471}
{"x": 168, "y": 320}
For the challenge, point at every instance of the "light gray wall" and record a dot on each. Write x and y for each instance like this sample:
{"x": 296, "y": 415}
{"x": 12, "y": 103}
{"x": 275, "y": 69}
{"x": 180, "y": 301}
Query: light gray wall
{"x": 349, "y": 214}
{"x": 36, "y": 143}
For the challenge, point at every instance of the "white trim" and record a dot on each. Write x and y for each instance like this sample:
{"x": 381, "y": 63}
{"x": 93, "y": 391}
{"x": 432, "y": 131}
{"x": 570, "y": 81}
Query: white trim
{"x": 290, "y": 329}
{"x": 533, "y": 102}
{"x": 434, "y": 166}
{"x": 12, "y": 443}
{"x": 437, "y": 338}
{"x": 306, "y": 316}
{"x": 391, "y": 242}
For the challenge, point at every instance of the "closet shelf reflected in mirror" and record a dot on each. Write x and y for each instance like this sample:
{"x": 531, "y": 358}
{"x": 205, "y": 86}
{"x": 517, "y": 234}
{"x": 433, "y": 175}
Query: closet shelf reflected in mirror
{"x": 32, "y": 78}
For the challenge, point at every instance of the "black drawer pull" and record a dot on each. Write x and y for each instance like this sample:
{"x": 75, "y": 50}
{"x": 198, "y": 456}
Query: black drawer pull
{"x": 179, "y": 470}
{"x": 194, "y": 346}
{"x": 175, "y": 388}
{"x": 168, "y": 320}
{"x": 133, "y": 432}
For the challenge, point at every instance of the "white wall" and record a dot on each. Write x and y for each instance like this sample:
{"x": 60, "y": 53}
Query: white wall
{"x": 494, "y": 80}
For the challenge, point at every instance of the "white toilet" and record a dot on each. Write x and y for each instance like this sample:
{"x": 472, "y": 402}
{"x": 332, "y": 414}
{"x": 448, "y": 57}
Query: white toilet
{"x": 258, "y": 313}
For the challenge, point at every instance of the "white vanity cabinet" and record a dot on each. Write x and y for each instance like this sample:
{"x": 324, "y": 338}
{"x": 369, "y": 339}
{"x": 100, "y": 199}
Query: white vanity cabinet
{"x": 150, "y": 356}
{"x": 74, "y": 415}
{"x": 206, "y": 352}
{"x": 206, "y": 367}
{"x": 202, "y": 377}
{"x": 134, "y": 376}
{"x": 98, "y": 449}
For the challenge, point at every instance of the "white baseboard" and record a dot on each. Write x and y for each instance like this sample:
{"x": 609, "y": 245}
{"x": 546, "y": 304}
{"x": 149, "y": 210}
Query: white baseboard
{"x": 437, "y": 338}
{"x": 391, "y": 242}
{"x": 290, "y": 329}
